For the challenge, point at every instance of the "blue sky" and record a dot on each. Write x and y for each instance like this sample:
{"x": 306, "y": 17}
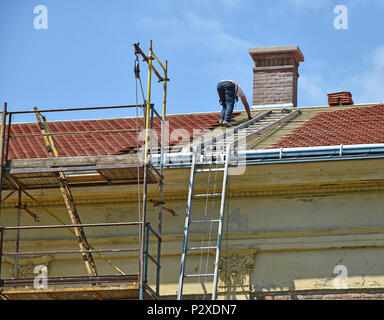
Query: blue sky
{"x": 85, "y": 57}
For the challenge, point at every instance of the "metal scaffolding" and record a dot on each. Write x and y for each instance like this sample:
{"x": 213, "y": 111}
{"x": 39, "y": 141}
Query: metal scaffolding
{"x": 18, "y": 179}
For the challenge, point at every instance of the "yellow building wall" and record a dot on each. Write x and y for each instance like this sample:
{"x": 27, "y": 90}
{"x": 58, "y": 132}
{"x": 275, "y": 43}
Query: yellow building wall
{"x": 295, "y": 227}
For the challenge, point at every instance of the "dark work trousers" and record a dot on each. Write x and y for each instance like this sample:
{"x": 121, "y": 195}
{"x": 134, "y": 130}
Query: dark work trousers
{"x": 227, "y": 96}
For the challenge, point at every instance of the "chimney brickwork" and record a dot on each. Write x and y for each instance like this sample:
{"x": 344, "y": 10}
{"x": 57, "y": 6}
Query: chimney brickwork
{"x": 275, "y": 75}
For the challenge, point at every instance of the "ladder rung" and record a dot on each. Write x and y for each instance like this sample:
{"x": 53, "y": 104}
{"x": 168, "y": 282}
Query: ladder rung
{"x": 200, "y": 195}
{"x": 199, "y": 275}
{"x": 202, "y": 248}
{"x": 208, "y": 170}
{"x": 200, "y": 221}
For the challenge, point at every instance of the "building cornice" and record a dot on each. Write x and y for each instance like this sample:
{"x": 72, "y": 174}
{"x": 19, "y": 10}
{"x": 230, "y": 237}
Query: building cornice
{"x": 118, "y": 197}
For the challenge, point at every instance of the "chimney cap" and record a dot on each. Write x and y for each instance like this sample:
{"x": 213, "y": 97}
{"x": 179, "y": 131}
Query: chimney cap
{"x": 278, "y": 49}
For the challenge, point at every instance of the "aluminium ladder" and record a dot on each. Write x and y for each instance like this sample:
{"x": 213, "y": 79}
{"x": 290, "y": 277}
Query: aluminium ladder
{"x": 85, "y": 248}
{"x": 219, "y": 151}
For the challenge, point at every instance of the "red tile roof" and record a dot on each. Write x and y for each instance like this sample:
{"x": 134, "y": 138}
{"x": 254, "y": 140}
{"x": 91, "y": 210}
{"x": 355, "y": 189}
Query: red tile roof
{"x": 98, "y": 143}
{"x": 360, "y": 125}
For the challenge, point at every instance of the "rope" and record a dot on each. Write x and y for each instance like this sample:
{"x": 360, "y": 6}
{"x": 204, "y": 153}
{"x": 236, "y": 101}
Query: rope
{"x": 210, "y": 228}
{"x": 208, "y": 242}
{"x": 211, "y": 223}
{"x": 226, "y": 232}
{"x": 202, "y": 239}
{"x": 136, "y": 70}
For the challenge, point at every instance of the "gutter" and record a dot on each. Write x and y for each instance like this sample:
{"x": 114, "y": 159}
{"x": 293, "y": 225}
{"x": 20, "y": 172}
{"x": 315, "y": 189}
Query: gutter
{"x": 281, "y": 155}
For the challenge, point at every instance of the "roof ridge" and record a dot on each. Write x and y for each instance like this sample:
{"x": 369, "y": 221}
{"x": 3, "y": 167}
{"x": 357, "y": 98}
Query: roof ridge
{"x": 131, "y": 117}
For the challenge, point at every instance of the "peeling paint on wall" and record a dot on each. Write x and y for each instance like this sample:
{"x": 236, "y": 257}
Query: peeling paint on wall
{"x": 240, "y": 220}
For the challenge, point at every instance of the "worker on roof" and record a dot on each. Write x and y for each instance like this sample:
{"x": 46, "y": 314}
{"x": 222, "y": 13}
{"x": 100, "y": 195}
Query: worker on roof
{"x": 229, "y": 91}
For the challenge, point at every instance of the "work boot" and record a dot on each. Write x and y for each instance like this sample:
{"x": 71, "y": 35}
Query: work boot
{"x": 226, "y": 124}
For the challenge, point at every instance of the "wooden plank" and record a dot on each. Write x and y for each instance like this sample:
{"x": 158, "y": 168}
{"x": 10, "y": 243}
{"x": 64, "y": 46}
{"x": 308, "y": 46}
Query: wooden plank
{"x": 85, "y": 293}
{"x": 74, "y": 161}
{"x": 29, "y": 170}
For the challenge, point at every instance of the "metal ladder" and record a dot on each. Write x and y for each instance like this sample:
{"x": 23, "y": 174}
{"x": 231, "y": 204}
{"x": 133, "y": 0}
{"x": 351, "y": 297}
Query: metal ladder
{"x": 85, "y": 248}
{"x": 219, "y": 150}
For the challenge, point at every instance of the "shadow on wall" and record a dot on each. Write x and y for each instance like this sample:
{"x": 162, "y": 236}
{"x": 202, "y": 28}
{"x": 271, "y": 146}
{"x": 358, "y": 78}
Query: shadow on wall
{"x": 320, "y": 269}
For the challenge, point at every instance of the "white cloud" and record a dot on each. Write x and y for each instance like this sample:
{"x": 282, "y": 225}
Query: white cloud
{"x": 377, "y": 58}
{"x": 372, "y": 80}
{"x": 356, "y": 3}
{"x": 306, "y": 4}
{"x": 219, "y": 5}
{"x": 281, "y": 7}
{"x": 226, "y": 52}
{"x": 210, "y": 34}
{"x": 191, "y": 28}
{"x": 312, "y": 89}
{"x": 366, "y": 86}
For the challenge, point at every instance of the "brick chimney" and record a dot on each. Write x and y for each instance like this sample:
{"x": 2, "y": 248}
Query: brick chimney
{"x": 275, "y": 75}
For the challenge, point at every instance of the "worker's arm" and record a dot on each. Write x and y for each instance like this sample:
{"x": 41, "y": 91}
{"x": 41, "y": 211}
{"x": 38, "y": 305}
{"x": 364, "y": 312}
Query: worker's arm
{"x": 246, "y": 106}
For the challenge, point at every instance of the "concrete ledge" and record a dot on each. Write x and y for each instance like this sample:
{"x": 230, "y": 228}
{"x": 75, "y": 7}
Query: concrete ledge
{"x": 277, "y": 49}
{"x": 273, "y": 106}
